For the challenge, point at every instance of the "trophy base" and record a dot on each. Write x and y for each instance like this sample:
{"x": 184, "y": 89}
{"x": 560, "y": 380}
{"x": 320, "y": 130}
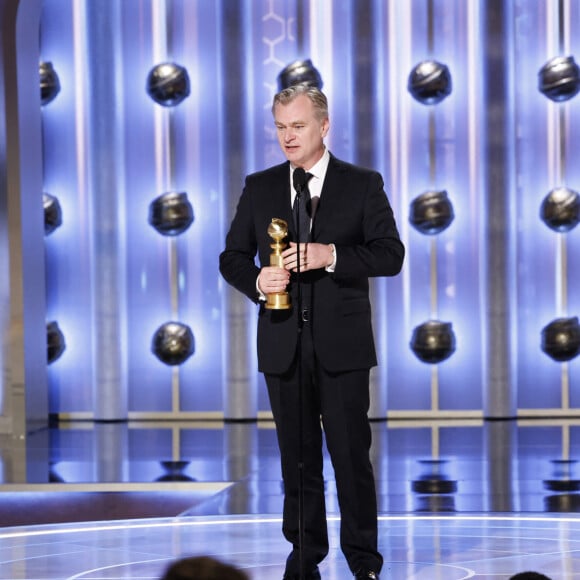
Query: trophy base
{"x": 280, "y": 301}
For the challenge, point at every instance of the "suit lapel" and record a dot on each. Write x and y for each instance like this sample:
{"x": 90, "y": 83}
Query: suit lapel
{"x": 287, "y": 204}
{"x": 329, "y": 196}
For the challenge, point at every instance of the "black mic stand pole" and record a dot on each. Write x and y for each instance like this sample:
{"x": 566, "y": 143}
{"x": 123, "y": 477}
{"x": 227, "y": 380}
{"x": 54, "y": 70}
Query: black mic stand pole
{"x": 300, "y": 326}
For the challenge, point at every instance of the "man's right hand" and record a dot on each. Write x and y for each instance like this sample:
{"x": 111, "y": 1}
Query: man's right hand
{"x": 273, "y": 279}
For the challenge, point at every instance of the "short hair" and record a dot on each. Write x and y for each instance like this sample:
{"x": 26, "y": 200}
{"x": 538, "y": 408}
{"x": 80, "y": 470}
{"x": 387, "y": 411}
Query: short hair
{"x": 202, "y": 568}
{"x": 316, "y": 96}
{"x": 529, "y": 576}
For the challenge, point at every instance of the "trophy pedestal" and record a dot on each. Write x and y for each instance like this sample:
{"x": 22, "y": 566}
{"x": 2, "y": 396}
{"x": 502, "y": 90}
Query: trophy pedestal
{"x": 278, "y": 301}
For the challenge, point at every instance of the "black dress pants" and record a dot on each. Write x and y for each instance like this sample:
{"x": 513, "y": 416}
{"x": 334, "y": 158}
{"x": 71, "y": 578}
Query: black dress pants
{"x": 337, "y": 403}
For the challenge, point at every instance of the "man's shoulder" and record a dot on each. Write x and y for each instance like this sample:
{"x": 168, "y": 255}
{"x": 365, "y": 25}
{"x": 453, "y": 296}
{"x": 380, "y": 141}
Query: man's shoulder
{"x": 345, "y": 166}
{"x": 274, "y": 172}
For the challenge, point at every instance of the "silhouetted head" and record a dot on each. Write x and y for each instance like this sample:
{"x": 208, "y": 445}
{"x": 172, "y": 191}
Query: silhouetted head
{"x": 202, "y": 568}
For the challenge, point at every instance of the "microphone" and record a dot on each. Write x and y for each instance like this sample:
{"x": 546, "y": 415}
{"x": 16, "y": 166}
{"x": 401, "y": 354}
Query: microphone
{"x": 299, "y": 180}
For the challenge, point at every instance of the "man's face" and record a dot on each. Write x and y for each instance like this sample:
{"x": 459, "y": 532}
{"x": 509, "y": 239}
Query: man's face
{"x": 300, "y": 133}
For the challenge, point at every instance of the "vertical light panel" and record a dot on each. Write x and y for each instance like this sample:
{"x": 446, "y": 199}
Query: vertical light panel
{"x": 85, "y": 261}
{"x": 430, "y": 149}
{"x": 66, "y": 164}
{"x": 572, "y": 16}
{"x": 380, "y": 288}
{"x": 165, "y": 152}
{"x": 106, "y": 172}
{"x": 149, "y": 291}
{"x": 495, "y": 219}
{"x": 459, "y": 245}
{"x": 394, "y": 36}
{"x": 406, "y": 45}
{"x": 199, "y": 169}
{"x": 239, "y": 322}
{"x": 546, "y": 141}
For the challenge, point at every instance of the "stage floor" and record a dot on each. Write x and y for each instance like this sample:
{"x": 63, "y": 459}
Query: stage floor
{"x": 458, "y": 499}
{"x": 416, "y": 547}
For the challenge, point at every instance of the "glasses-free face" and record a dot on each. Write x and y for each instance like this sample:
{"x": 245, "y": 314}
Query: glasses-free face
{"x": 300, "y": 133}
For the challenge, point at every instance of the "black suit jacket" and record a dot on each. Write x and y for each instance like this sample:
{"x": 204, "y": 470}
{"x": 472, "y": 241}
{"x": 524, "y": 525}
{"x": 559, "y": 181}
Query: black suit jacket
{"x": 355, "y": 215}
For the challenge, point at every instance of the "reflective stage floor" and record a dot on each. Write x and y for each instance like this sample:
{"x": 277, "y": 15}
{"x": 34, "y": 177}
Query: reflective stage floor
{"x": 414, "y": 547}
{"x": 458, "y": 499}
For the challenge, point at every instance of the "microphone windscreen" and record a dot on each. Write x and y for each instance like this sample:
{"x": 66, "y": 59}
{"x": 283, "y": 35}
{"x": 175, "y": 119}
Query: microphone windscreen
{"x": 299, "y": 179}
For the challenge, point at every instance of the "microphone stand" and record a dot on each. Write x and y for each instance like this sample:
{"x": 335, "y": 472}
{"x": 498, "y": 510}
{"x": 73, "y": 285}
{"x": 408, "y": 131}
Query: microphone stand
{"x": 300, "y": 326}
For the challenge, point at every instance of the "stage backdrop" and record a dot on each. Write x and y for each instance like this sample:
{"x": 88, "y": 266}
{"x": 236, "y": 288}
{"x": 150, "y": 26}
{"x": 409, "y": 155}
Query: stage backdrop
{"x": 154, "y": 111}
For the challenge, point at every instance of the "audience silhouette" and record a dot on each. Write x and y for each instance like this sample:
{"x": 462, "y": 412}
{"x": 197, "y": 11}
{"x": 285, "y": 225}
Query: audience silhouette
{"x": 202, "y": 568}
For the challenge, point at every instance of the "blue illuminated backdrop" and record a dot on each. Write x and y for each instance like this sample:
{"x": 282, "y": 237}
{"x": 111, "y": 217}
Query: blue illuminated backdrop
{"x": 365, "y": 51}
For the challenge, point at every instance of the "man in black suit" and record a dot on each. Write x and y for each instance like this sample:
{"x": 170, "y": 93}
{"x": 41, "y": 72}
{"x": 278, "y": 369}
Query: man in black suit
{"x": 326, "y": 333}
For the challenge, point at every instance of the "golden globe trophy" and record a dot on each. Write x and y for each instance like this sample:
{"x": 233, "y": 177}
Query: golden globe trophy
{"x": 278, "y": 230}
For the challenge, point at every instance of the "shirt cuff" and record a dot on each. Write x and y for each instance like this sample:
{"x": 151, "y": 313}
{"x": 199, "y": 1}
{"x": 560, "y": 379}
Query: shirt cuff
{"x": 261, "y": 296}
{"x": 333, "y": 265}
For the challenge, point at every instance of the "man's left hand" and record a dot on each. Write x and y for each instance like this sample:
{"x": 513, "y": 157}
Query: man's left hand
{"x": 312, "y": 256}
